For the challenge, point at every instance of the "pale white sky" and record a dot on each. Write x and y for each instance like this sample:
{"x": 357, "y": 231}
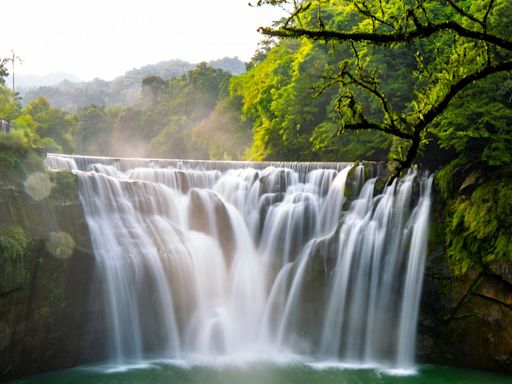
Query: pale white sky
{"x": 105, "y": 38}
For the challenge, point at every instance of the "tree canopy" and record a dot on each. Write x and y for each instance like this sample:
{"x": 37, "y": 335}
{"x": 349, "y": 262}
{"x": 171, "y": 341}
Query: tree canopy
{"x": 449, "y": 46}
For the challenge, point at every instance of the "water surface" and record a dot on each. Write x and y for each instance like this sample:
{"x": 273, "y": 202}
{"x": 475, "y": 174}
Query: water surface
{"x": 156, "y": 373}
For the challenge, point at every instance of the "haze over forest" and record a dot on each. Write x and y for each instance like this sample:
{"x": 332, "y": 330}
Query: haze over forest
{"x": 68, "y": 92}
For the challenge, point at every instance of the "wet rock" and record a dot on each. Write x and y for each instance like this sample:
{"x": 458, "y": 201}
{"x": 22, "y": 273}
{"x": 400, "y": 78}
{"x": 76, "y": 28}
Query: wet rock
{"x": 425, "y": 346}
{"x": 209, "y": 215}
{"x": 502, "y": 270}
{"x": 469, "y": 320}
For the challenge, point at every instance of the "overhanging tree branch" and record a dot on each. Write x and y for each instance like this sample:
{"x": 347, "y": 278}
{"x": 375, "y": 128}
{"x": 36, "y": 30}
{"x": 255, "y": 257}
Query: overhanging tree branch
{"x": 420, "y": 32}
{"x": 421, "y": 124}
{"x": 365, "y": 125}
{"x": 455, "y": 88}
{"x": 372, "y": 88}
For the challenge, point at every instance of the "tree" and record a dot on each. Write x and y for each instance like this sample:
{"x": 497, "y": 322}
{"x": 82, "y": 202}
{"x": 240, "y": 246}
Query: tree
{"x": 51, "y": 123}
{"x": 283, "y": 101}
{"x": 8, "y": 104}
{"x": 162, "y": 123}
{"x": 153, "y": 87}
{"x": 93, "y": 132}
{"x": 454, "y": 45}
{"x": 3, "y": 70}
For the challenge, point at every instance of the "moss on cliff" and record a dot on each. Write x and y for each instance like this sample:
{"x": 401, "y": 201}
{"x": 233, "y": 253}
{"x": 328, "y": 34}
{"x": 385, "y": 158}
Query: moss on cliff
{"x": 15, "y": 248}
{"x": 474, "y": 219}
{"x": 479, "y": 229}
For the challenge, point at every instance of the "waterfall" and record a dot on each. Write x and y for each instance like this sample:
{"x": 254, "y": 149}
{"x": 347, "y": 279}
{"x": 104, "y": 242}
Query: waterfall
{"x": 255, "y": 260}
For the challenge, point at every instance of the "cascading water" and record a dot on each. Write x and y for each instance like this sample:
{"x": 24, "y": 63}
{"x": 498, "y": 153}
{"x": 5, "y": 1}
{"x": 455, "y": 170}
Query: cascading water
{"x": 209, "y": 260}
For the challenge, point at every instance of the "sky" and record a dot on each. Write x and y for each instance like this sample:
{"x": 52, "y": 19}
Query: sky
{"x": 105, "y": 38}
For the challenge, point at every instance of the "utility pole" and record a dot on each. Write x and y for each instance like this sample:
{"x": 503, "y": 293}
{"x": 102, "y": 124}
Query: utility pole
{"x": 13, "y": 59}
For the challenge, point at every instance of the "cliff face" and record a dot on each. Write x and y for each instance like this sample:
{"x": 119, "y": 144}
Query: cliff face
{"x": 467, "y": 320}
{"x": 49, "y": 315}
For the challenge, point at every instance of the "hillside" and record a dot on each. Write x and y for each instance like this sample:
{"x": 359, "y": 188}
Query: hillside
{"x": 123, "y": 90}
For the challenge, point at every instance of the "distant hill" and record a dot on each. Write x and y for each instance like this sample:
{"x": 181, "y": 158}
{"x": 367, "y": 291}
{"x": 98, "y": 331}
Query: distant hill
{"x": 229, "y": 64}
{"x": 33, "y": 81}
{"x": 123, "y": 90}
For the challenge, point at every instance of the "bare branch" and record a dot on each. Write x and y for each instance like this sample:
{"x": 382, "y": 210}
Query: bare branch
{"x": 386, "y": 38}
{"x": 364, "y": 10}
{"x": 366, "y": 125}
{"x": 295, "y": 15}
{"x": 374, "y": 90}
{"x": 491, "y": 3}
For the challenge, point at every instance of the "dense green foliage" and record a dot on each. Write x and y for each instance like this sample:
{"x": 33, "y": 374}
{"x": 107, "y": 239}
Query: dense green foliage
{"x": 36, "y": 124}
{"x": 288, "y": 112}
{"x": 477, "y": 125}
{"x": 93, "y": 131}
{"x": 478, "y": 229}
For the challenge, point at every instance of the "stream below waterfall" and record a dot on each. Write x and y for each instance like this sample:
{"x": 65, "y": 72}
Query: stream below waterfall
{"x": 182, "y": 373}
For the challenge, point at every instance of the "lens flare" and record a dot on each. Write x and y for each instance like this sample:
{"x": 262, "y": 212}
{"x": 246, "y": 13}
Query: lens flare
{"x": 61, "y": 245}
{"x": 38, "y": 186}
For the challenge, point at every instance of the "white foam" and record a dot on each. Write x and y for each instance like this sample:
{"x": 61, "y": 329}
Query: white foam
{"x": 400, "y": 372}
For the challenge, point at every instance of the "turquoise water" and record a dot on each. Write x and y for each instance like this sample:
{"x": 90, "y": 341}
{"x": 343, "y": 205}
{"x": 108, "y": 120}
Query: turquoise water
{"x": 157, "y": 373}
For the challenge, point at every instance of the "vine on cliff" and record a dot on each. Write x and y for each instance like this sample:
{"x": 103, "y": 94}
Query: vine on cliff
{"x": 478, "y": 227}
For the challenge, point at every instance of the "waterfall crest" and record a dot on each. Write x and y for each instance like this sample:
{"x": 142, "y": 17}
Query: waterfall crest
{"x": 256, "y": 260}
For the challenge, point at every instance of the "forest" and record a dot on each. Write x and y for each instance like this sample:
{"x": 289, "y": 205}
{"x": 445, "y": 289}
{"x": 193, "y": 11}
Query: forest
{"x": 424, "y": 84}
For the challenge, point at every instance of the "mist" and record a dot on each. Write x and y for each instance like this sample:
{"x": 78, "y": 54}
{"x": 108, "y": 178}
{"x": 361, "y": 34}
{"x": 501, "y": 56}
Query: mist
{"x": 192, "y": 116}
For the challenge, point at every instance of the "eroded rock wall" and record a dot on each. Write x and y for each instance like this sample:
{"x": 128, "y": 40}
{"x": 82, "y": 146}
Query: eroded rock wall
{"x": 49, "y": 306}
{"x": 467, "y": 320}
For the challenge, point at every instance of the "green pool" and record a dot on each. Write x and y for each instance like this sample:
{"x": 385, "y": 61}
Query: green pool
{"x": 176, "y": 372}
